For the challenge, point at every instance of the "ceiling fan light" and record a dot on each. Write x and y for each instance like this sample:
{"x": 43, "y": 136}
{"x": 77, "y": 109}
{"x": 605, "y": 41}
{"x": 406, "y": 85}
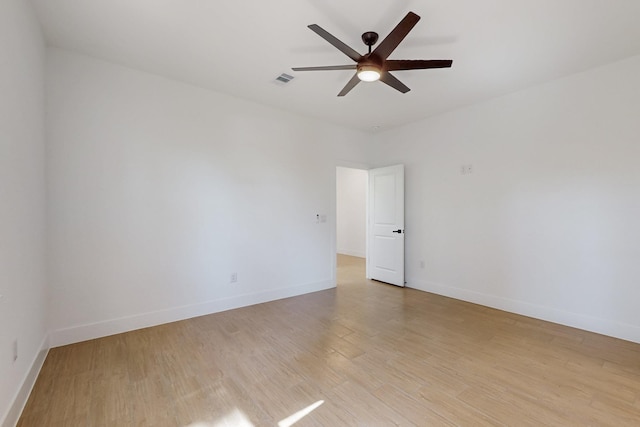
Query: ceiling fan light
{"x": 368, "y": 73}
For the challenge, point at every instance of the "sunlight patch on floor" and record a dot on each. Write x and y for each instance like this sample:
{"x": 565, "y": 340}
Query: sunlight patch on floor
{"x": 292, "y": 419}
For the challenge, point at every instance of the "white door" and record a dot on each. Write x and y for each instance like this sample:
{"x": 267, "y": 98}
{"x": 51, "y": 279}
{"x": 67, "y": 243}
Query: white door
{"x": 385, "y": 234}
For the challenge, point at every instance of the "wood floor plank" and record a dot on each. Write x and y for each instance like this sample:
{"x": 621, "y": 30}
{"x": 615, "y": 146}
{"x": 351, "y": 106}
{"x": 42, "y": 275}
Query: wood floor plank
{"x": 364, "y": 353}
{"x": 411, "y": 408}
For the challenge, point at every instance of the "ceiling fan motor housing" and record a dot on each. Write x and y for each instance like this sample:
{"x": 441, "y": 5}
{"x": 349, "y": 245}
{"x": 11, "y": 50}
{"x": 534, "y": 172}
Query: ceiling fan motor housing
{"x": 370, "y": 68}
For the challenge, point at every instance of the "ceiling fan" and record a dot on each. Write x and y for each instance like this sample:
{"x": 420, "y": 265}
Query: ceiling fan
{"x": 374, "y": 65}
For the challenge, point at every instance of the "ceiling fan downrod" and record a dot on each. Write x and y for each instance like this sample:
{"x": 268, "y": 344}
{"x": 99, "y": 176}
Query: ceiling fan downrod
{"x": 370, "y": 38}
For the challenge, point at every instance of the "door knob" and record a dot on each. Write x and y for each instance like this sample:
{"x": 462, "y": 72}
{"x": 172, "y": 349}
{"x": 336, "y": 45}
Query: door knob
{"x": 397, "y": 231}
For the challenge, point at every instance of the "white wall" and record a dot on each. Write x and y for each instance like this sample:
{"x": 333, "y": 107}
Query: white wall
{"x": 22, "y": 204}
{"x": 161, "y": 190}
{"x": 351, "y": 217}
{"x": 548, "y": 223}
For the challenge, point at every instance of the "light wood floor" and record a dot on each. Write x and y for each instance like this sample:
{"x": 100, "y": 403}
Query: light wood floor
{"x": 375, "y": 354}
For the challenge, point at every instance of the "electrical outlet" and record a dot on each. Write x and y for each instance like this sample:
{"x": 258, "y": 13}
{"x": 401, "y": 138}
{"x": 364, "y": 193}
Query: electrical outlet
{"x": 234, "y": 277}
{"x": 15, "y": 350}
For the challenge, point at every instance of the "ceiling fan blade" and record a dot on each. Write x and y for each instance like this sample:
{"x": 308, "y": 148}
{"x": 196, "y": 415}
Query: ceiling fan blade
{"x": 419, "y": 64}
{"x": 326, "y": 68}
{"x": 393, "y": 82}
{"x": 341, "y": 46}
{"x": 398, "y": 34}
{"x": 352, "y": 83}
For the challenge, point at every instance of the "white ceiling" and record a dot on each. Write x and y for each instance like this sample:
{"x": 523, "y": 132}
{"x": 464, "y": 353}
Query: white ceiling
{"x": 240, "y": 46}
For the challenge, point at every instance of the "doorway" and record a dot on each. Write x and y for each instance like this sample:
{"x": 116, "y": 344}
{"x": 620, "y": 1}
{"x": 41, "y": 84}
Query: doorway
{"x": 351, "y": 224}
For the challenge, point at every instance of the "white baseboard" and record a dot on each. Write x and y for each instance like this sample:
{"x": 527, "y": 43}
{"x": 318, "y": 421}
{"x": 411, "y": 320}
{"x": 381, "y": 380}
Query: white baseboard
{"x": 352, "y": 253}
{"x": 90, "y": 331}
{"x": 20, "y": 399}
{"x": 588, "y": 323}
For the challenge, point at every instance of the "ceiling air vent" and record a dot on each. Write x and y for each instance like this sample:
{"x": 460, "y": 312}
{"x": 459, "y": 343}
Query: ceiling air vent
{"x": 283, "y": 79}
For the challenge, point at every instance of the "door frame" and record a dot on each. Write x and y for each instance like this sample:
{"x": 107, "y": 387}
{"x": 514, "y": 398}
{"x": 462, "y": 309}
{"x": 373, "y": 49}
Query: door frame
{"x": 334, "y": 234}
{"x": 333, "y": 221}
